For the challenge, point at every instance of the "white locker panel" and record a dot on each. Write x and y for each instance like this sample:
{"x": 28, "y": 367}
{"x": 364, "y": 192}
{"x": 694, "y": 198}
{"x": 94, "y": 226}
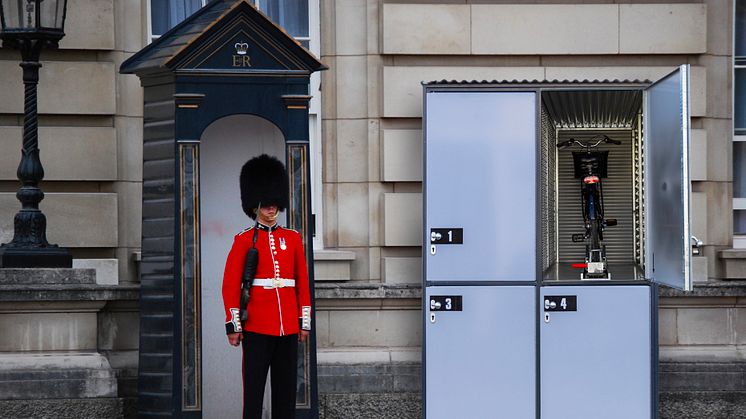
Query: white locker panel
{"x": 667, "y": 187}
{"x": 596, "y": 361}
{"x": 480, "y": 176}
{"x": 480, "y": 362}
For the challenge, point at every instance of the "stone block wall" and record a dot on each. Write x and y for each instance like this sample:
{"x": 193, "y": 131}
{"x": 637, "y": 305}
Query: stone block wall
{"x": 71, "y": 347}
{"x": 379, "y": 53}
{"x": 90, "y": 129}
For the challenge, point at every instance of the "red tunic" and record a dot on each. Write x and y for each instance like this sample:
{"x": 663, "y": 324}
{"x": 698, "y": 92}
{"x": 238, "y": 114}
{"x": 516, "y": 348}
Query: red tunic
{"x": 271, "y": 311}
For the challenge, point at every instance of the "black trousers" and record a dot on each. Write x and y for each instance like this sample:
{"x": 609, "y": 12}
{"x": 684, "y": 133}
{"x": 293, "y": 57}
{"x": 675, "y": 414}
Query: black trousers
{"x": 259, "y": 353}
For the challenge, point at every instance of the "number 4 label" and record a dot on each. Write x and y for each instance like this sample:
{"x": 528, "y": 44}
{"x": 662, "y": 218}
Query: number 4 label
{"x": 565, "y": 303}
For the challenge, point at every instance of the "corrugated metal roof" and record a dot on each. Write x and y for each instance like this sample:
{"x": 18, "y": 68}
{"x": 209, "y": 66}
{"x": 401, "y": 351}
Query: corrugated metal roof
{"x": 593, "y": 108}
{"x": 534, "y": 82}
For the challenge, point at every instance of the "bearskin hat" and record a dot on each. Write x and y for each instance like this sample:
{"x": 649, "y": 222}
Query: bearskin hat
{"x": 263, "y": 180}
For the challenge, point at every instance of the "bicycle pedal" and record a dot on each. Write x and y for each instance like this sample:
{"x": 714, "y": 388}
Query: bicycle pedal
{"x": 610, "y": 222}
{"x": 578, "y": 238}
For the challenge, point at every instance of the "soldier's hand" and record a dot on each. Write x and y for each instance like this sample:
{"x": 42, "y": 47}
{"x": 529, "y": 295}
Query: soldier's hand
{"x": 234, "y": 338}
{"x": 303, "y": 335}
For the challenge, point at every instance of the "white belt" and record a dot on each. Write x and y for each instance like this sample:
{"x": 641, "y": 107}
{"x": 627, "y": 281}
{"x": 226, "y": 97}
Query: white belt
{"x": 273, "y": 282}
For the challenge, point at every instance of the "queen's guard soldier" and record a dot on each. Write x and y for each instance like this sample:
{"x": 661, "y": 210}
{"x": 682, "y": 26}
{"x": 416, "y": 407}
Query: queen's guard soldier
{"x": 278, "y": 313}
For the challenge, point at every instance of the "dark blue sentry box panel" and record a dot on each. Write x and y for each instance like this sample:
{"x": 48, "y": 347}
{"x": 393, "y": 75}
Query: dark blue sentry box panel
{"x": 480, "y": 186}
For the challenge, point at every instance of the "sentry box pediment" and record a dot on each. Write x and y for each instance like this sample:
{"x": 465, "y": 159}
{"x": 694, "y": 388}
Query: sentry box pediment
{"x": 491, "y": 148}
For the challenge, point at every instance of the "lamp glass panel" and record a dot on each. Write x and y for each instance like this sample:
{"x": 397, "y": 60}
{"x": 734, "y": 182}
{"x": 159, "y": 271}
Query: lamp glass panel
{"x": 52, "y": 14}
{"x": 15, "y": 16}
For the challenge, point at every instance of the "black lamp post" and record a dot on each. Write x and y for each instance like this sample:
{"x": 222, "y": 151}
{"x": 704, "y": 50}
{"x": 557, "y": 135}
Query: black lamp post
{"x": 30, "y": 26}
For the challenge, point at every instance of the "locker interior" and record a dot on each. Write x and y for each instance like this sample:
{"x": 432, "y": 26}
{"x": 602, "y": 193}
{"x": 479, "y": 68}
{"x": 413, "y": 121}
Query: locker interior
{"x": 583, "y": 114}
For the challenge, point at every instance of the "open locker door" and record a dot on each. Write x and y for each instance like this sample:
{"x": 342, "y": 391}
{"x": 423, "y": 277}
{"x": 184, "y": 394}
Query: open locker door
{"x": 667, "y": 186}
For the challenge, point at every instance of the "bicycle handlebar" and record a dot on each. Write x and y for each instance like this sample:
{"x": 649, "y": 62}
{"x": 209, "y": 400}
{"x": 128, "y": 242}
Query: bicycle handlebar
{"x": 609, "y": 140}
{"x": 564, "y": 144}
{"x": 600, "y": 139}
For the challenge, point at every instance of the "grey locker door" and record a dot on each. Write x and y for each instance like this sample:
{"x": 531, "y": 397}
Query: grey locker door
{"x": 596, "y": 362}
{"x": 480, "y": 176}
{"x": 667, "y": 186}
{"x": 481, "y": 362}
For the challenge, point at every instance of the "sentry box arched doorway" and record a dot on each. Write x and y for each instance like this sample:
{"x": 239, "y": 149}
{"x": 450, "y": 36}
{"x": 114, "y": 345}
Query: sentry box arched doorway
{"x": 224, "y": 85}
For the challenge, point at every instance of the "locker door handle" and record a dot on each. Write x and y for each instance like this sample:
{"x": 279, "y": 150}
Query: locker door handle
{"x": 696, "y": 246}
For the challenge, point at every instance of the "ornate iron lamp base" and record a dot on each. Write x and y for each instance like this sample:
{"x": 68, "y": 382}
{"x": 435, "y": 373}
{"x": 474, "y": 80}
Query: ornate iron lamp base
{"x": 39, "y": 257}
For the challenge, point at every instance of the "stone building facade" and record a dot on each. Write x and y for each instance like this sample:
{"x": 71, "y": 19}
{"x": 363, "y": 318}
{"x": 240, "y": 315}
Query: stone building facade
{"x": 368, "y": 252}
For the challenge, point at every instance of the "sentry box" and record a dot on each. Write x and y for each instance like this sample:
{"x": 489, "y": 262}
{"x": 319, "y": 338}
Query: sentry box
{"x": 514, "y": 324}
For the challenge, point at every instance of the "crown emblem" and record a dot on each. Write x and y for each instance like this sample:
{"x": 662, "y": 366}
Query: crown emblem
{"x": 241, "y": 48}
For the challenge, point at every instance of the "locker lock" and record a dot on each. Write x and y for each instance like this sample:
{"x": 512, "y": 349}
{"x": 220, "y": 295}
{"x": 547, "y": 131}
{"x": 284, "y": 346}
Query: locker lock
{"x": 549, "y": 305}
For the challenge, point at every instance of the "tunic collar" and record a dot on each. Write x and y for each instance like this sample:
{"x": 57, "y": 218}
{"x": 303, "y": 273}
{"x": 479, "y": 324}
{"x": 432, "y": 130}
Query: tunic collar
{"x": 261, "y": 226}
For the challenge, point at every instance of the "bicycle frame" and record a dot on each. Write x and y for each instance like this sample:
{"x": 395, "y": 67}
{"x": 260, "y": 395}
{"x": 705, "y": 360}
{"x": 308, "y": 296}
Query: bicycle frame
{"x": 590, "y": 167}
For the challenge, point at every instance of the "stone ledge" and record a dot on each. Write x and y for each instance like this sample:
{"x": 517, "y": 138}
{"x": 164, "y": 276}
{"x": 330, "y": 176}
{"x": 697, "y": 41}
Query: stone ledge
{"x": 732, "y": 254}
{"x": 39, "y": 276}
{"x": 382, "y": 377}
{"x": 332, "y": 265}
{"x": 56, "y": 376}
{"x": 710, "y": 289}
{"x": 107, "y": 270}
{"x": 734, "y": 263}
{"x": 705, "y": 376}
{"x": 328, "y": 254}
{"x": 367, "y": 355}
{"x": 367, "y": 291}
{"x": 68, "y": 292}
{"x": 702, "y": 354}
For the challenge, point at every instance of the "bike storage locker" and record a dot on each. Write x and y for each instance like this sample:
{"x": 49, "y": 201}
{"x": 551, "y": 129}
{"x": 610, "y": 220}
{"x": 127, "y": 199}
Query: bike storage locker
{"x": 510, "y": 328}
